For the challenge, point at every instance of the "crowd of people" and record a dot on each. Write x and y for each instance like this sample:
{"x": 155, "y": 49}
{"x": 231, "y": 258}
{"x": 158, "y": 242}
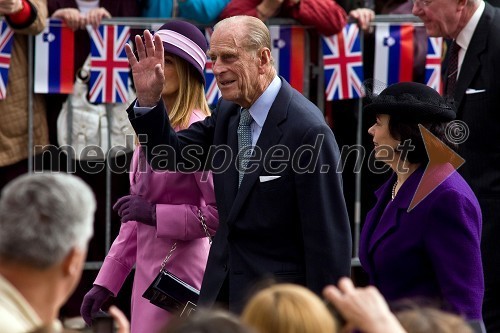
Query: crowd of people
{"x": 244, "y": 202}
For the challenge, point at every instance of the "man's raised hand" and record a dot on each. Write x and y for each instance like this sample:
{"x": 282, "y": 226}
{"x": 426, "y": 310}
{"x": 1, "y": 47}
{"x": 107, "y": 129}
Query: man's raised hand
{"x": 147, "y": 69}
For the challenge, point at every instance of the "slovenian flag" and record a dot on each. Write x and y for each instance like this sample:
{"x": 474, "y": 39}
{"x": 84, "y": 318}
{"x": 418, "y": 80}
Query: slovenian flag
{"x": 54, "y": 59}
{"x": 394, "y": 53}
{"x": 287, "y": 49}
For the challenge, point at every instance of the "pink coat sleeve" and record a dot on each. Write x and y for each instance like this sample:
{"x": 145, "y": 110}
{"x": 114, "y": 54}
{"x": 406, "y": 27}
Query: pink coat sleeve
{"x": 120, "y": 259}
{"x": 181, "y": 221}
{"x": 325, "y": 15}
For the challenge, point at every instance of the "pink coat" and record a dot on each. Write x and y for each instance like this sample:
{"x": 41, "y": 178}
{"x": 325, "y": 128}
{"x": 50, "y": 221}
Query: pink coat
{"x": 178, "y": 197}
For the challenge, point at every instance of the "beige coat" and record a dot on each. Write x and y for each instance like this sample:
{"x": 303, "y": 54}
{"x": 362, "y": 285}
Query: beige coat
{"x": 17, "y": 315}
{"x": 14, "y": 109}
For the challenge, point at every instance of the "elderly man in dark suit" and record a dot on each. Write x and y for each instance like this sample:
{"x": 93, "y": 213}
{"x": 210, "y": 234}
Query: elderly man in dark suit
{"x": 274, "y": 159}
{"x": 473, "y": 81}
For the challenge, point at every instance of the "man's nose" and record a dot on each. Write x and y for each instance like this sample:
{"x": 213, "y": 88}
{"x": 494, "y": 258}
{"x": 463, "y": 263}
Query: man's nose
{"x": 217, "y": 67}
{"x": 416, "y": 9}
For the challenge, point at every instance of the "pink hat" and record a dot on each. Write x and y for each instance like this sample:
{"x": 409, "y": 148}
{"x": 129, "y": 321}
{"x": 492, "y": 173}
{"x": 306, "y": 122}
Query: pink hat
{"x": 185, "y": 41}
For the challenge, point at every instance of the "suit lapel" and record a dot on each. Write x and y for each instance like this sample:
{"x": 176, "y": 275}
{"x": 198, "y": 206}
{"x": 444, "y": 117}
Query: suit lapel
{"x": 270, "y": 135}
{"x": 387, "y": 217}
{"x": 231, "y": 175}
{"x": 471, "y": 61}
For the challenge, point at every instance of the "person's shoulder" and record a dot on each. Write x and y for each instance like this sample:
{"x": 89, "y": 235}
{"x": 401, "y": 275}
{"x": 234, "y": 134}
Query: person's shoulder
{"x": 455, "y": 182}
{"x": 493, "y": 13}
{"x": 454, "y": 191}
{"x": 11, "y": 323}
{"x": 305, "y": 111}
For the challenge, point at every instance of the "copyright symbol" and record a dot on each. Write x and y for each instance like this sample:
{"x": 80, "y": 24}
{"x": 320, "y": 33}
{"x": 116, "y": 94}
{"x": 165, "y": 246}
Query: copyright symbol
{"x": 457, "y": 132}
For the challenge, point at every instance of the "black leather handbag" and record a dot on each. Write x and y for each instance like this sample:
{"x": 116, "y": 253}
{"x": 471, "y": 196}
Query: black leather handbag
{"x": 169, "y": 292}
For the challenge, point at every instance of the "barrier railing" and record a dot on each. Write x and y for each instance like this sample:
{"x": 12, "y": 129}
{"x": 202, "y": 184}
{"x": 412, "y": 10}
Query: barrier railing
{"x": 312, "y": 70}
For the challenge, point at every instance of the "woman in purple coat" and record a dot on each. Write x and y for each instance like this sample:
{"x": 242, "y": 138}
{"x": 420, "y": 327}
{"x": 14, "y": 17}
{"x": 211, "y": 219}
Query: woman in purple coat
{"x": 163, "y": 208}
{"x": 422, "y": 238}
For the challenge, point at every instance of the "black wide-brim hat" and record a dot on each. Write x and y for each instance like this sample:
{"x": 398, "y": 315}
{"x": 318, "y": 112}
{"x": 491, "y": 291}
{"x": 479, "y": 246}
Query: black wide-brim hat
{"x": 412, "y": 101}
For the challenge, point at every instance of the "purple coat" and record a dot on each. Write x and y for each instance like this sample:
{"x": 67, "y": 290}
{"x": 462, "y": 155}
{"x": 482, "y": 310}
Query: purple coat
{"x": 433, "y": 251}
{"x": 177, "y": 197}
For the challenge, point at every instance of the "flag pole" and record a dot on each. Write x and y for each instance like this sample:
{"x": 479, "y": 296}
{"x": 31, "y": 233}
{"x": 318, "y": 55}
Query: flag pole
{"x": 107, "y": 239}
{"x": 357, "y": 184}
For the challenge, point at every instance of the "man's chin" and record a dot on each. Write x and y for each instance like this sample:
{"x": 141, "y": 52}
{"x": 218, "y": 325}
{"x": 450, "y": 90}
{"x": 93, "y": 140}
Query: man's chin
{"x": 229, "y": 96}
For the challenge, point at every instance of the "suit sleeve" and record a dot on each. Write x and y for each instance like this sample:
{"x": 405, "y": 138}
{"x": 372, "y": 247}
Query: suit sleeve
{"x": 452, "y": 241}
{"x": 163, "y": 146}
{"x": 182, "y": 221}
{"x": 120, "y": 259}
{"x": 323, "y": 214}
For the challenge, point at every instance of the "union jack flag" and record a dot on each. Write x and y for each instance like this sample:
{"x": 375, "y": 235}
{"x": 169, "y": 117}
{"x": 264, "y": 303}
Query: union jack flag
{"x": 109, "y": 68}
{"x": 433, "y": 63}
{"x": 211, "y": 90}
{"x": 343, "y": 64}
{"x": 6, "y": 34}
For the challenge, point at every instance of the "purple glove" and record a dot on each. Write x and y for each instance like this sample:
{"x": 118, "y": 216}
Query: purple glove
{"x": 92, "y": 302}
{"x": 136, "y": 208}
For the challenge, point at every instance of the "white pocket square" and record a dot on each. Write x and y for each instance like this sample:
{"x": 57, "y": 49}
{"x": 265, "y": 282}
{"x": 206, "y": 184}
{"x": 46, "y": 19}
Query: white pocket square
{"x": 471, "y": 91}
{"x": 264, "y": 179}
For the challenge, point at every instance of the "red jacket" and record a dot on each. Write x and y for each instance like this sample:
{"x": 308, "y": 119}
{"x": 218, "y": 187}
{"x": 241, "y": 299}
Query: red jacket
{"x": 325, "y": 15}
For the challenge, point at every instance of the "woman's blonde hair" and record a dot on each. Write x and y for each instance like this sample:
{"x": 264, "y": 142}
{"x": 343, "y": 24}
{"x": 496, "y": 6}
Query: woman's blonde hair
{"x": 191, "y": 94}
{"x": 288, "y": 308}
{"x": 430, "y": 320}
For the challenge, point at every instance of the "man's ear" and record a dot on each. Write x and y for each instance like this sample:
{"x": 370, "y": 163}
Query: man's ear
{"x": 72, "y": 263}
{"x": 264, "y": 55}
{"x": 462, "y": 4}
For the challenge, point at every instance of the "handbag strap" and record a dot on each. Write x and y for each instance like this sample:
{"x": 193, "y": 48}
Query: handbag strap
{"x": 201, "y": 217}
{"x": 202, "y": 220}
{"x": 164, "y": 262}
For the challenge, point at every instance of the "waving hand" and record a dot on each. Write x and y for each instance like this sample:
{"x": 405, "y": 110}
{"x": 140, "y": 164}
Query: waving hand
{"x": 148, "y": 69}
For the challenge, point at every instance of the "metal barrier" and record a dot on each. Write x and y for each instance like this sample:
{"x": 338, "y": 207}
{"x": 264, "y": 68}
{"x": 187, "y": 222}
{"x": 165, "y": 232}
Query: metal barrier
{"x": 315, "y": 69}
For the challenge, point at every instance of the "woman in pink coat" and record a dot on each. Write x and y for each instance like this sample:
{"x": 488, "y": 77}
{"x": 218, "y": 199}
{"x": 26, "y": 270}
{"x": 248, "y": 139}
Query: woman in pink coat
{"x": 163, "y": 208}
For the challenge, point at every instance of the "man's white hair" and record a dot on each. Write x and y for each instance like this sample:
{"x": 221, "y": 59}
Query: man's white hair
{"x": 44, "y": 216}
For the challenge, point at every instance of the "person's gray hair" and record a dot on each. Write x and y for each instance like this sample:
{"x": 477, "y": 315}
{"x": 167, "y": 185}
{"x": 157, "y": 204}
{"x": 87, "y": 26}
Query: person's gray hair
{"x": 44, "y": 216}
{"x": 254, "y": 31}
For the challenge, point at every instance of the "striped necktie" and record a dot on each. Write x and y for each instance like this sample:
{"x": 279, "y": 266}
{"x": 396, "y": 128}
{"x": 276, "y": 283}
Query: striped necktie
{"x": 452, "y": 69}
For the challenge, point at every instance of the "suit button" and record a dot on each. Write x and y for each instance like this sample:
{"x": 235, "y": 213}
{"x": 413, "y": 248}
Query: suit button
{"x": 225, "y": 267}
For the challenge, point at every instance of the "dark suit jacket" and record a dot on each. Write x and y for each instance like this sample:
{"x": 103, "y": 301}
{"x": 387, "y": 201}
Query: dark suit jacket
{"x": 433, "y": 251}
{"x": 294, "y": 228}
{"x": 480, "y": 70}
